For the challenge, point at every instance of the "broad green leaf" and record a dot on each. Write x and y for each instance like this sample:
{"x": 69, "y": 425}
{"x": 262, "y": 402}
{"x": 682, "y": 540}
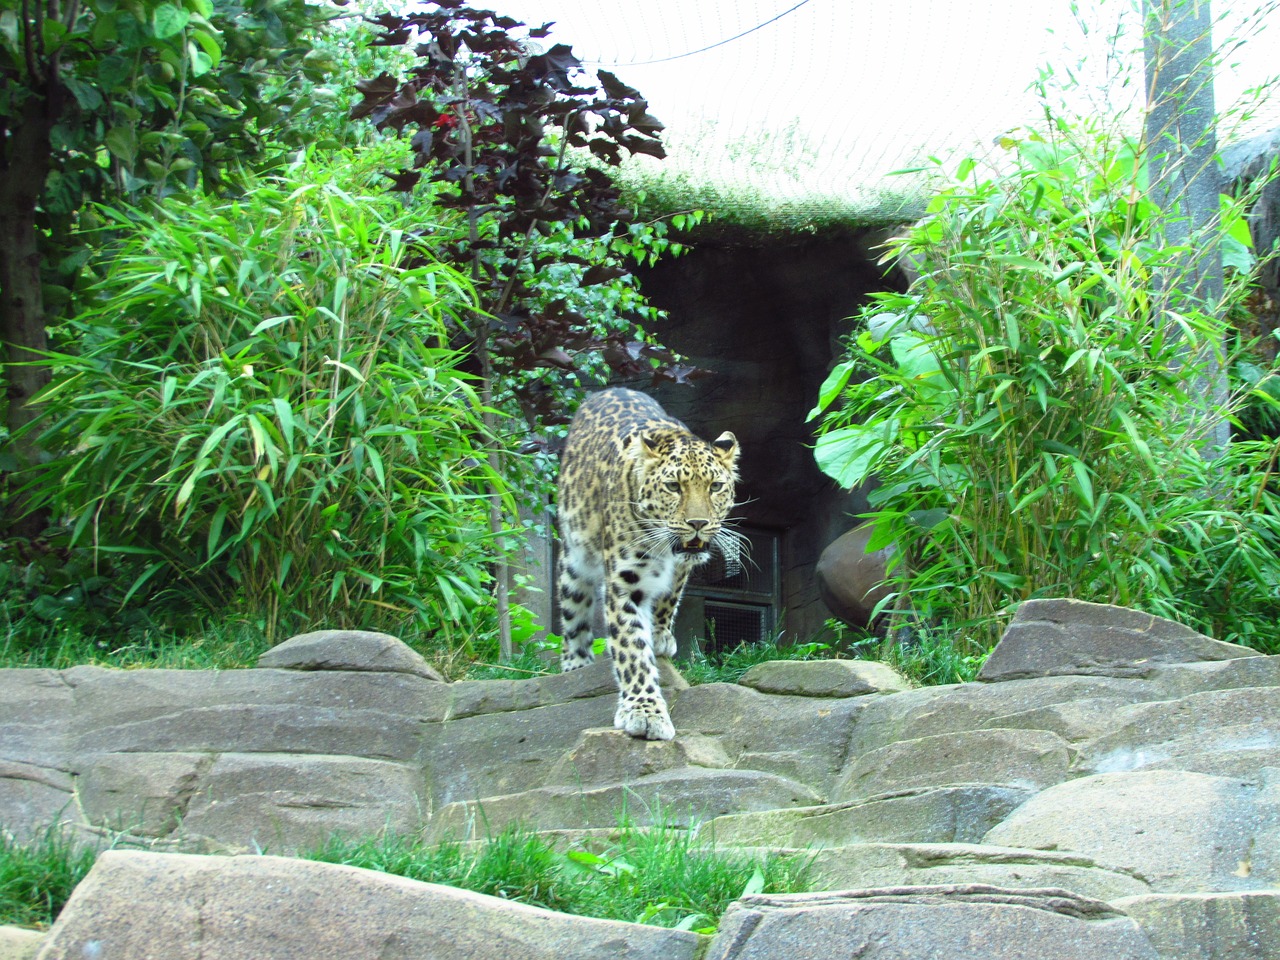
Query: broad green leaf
{"x": 169, "y": 21}
{"x": 123, "y": 143}
{"x": 850, "y": 455}
{"x": 832, "y": 387}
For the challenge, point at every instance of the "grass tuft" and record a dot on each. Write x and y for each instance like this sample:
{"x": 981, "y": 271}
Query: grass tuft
{"x": 658, "y": 876}
{"x": 37, "y": 877}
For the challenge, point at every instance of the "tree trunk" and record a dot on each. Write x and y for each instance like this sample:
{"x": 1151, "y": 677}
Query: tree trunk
{"x": 1181, "y": 135}
{"x": 24, "y": 165}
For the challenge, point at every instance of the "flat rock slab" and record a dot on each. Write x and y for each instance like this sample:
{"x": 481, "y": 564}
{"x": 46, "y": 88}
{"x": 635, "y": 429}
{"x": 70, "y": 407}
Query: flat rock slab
{"x": 824, "y": 678}
{"x": 961, "y": 814}
{"x": 139, "y": 906}
{"x": 929, "y": 923}
{"x": 1056, "y": 637}
{"x": 1033, "y": 759}
{"x": 1179, "y": 832}
{"x": 870, "y": 865}
{"x": 801, "y": 738}
{"x": 680, "y": 797}
{"x": 1203, "y": 729}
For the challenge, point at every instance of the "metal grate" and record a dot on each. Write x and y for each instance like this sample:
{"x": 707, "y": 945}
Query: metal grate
{"x": 730, "y": 624}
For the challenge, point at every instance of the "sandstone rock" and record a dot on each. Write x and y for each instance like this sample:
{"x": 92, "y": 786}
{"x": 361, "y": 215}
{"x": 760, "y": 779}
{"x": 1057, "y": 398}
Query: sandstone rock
{"x": 18, "y": 943}
{"x": 1058, "y": 637}
{"x": 1073, "y": 720}
{"x": 1032, "y": 759}
{"x": 34, "y": 798}
{"x": 252, "y": 711}
{"x": 947, "y": 923}
{"x": 605, "y": 754}
{"x": 801, "y": 738}
{"x": 933, "y": 711}
{"x": 930, "y": 864}
{"x": 942, "y": 815}
{"x": 357, "y": 650}
{"x": 1223, "y": 732}
{"x": 287, "y": 804}
{"x": 1176, "y": 680}
{"x": 1179, "y": 832}
{"x": 681, "y": 797}
{"x": 138, "y": 905}
{"x": 474, "y": 697}
{"x": 142, "y": 794}
{"x": 493, "y": 754}
{"x": 824, "y": 678}
{"x": 34, "y": 705}
{"x": 1209, "y": 926}
{"x": 850, "y": 578}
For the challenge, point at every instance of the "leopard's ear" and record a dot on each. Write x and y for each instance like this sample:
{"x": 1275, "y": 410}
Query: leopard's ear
{"x": 727, "y": 449}
{"x": 654, "y": 445}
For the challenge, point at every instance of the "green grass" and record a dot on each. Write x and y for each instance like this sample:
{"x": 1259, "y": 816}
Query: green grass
{"x": 729, "y": 667}
{"x": 660, "y": 877}
{"x": 58, "y": 645}
{"x": 37, "y": 877}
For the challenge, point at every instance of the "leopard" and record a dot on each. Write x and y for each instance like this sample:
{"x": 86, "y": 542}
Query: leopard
{"x": 641, "y": 502}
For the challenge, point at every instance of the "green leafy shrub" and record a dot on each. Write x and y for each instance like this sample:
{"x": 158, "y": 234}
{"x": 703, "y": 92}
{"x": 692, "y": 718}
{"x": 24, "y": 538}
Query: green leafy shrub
{"x": 264, "y": 407}
{"x": 1037, "y": 407}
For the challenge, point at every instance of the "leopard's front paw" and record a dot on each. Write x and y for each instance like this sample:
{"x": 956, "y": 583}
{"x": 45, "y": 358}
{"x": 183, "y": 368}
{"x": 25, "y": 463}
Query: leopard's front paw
{"x": 648, "y": 721}
{"x": 664, "y": 644}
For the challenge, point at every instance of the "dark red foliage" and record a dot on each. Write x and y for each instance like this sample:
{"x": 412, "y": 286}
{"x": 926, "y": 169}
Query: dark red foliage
{"x": 488, "y": 117}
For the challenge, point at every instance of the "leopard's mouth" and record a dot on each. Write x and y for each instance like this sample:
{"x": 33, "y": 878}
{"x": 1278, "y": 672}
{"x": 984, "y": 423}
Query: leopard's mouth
{"x": 693, "y": 546}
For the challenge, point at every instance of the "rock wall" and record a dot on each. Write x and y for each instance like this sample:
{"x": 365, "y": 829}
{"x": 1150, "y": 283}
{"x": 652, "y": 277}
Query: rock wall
{"x": 1110, "y": 788}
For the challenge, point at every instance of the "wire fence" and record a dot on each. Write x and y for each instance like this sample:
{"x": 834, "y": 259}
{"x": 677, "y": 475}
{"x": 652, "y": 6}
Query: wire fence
{"x": 803, "y": 111}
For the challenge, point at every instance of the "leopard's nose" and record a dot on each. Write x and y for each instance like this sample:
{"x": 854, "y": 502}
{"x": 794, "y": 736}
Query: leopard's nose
{"x": 697, "y": 524}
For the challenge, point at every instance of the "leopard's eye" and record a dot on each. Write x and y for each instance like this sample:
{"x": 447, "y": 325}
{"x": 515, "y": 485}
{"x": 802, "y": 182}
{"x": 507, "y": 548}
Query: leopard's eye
{"x": 673, "y": 486}
{"x": 717, "y": 486}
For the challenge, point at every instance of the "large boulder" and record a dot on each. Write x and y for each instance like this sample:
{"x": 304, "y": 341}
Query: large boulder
{"x": 970, "y": 922}
{"x": 1055, "y": 637}
{"x": 850, "y": 577}
{"x": 1180, "y": 832}
{"x": 136, "y": 905}
{"x": 354, "y": 650}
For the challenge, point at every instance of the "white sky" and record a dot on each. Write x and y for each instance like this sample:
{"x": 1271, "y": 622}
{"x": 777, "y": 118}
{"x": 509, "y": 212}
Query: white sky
{"x": 825, "y": 100}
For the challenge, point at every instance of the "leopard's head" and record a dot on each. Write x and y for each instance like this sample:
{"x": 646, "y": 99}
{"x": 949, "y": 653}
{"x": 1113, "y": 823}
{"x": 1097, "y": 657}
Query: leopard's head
{"x": 686, "y": 490}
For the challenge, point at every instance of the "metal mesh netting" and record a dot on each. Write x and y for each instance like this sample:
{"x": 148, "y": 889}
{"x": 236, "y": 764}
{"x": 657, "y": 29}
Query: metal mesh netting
{"x": 800, "y": 111}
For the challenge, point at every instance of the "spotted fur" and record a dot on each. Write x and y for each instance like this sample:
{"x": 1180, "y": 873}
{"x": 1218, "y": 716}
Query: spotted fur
{"x": 641, "y": 501}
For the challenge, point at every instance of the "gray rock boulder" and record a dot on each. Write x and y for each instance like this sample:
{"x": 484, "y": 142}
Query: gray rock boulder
{"x": 1056, "y": 637}
{"x": 850, "y": 578}
{"x": 348, "y": 650}
{"x": 930, "y": 923}
{"x": 136, "y": 905}
{"x": 1178, "y": 832}
{"x": 957, "y": 814}
{"x": 869, "y": 865}
{"x": 1032, "y": 759}
{"x": 824, "y": 678}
